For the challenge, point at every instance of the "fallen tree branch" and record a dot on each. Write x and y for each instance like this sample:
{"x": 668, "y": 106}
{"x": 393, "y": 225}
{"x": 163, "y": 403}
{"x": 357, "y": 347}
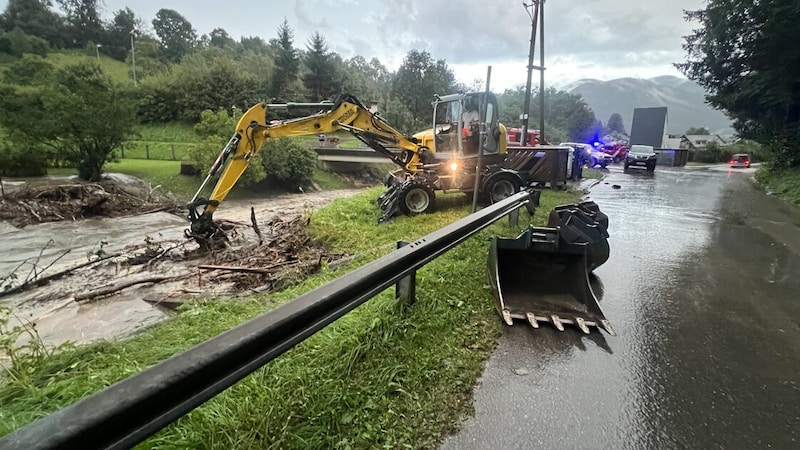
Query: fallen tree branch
{"x": 44, "y": 280}
{"x": 262, "y": 270}
{"x": 255, "y": 225}
{"x": 105, "y": 290}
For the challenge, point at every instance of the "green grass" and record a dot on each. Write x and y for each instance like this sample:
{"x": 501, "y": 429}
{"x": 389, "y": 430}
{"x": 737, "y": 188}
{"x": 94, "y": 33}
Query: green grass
{"x": 118, "y": 71}
{"x": 170, "y": 132}
{"x": 387, "y": 375}
{"x": 593, "y": 174}
{"x": 327, "y": 181}
{"x": 163, "y": 173}
{"x": 169, "y": 142}
{"x": 785, "y": 183}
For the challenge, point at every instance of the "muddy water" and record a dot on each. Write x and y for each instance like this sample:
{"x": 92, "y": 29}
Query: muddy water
{"x": 58, "y": 318}
{"x": 703, "y": 288}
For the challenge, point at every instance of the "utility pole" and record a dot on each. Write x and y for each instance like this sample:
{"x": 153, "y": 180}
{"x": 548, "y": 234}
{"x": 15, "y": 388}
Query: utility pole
{"x": 534, "y": 16}
{"x": 133, "y": 59}
{"x": 541, "y": 73}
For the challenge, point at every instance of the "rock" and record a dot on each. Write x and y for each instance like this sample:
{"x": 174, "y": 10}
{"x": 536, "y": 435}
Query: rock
{"x": 616, "y": 186}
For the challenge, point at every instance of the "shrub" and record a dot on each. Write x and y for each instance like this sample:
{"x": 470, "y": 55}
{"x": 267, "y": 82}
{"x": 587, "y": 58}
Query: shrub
{"x": 289, "y": 163}
{"x": 30, "y": 162}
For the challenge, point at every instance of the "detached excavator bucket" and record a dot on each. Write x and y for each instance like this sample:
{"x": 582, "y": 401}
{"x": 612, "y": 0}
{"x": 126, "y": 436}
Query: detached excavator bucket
{"x": 543, "y": 274}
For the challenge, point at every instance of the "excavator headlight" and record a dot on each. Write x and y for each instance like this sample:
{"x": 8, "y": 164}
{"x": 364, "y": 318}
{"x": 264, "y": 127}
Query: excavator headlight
{"x": 453, "y": 166}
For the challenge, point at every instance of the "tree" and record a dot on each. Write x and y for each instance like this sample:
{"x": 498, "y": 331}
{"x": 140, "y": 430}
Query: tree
{"x": 615, "y": 124}
{"x": 417, "y": 80}
{"x": 287, "y": 62}
{"x": 79, "y": 114}
{"x": 566, "y": 115}
{"x": 17, "y": 43}
{"x": 175, "y": 33}
{"x": 83, "y": 22}
{"x": 28, "y": 70}
{"x": 220, "y": 38}
{"x": 696, "y": 130}
{"x": 740, "y": 56}
{"x": 34, "y": 18}
{"x": 122, "y": 27}
{"x": 320, "y": 72}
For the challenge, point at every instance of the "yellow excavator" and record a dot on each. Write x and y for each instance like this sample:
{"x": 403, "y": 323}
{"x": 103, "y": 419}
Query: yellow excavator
{"x": 541, "y": 276}
{"x": 443, "y": 157}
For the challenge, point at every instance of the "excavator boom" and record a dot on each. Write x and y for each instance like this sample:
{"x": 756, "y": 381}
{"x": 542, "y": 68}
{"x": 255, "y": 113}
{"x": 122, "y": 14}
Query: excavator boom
{"x": 252, "y": 131}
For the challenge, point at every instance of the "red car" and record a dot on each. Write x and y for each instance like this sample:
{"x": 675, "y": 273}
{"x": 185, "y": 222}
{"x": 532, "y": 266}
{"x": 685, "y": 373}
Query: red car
{"x": 740, "y": 160}
{"x": 617, "y": 151}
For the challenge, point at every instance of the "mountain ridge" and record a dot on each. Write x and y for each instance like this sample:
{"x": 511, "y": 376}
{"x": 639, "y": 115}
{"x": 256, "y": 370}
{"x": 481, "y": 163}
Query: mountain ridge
{"x": 684, "y": 99}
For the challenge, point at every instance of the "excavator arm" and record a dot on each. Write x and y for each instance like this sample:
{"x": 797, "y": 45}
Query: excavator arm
{"x": 252, "y": 131}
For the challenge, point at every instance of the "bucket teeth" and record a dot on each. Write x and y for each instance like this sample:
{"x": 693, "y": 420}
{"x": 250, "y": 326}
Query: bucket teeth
{"x": 582, "y": 325}
{"x": 607, "y": 326}
{"x": 557, "y": 322}
{"x": 507, "y": 317}
{"x": 532, "y": 320}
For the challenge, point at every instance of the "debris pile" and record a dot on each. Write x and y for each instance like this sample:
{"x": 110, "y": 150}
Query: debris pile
{"x": 283, "y": 254}
{"x": 38, "y": 204}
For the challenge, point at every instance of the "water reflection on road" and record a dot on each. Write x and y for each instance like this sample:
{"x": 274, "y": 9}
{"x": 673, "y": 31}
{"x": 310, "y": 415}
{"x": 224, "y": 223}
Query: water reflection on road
{"x": 702, "y": 287}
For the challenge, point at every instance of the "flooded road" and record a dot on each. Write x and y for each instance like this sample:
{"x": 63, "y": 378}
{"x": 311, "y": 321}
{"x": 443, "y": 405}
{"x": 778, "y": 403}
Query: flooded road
{"x": 703, "y": 289}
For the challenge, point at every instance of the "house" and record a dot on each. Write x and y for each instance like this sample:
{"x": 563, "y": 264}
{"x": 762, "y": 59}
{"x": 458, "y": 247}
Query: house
{"x": 691, "y": 141}
{"x": 699, "y": 141}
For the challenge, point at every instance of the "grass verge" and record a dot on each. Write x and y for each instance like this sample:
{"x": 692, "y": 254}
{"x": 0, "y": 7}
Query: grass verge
{"x": 785, "y": 183}
{"x": 387, "y": 375}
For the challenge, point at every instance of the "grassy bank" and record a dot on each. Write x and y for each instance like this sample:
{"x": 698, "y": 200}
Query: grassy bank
{"x": 785, "y": 183}
{"x": 387, "y": 375}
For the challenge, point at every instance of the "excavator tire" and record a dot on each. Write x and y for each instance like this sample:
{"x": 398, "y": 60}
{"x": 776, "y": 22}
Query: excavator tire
{"x": 542, "y": 276}
{"x": 416, "y": 198}
{"x": 502, "y": 186}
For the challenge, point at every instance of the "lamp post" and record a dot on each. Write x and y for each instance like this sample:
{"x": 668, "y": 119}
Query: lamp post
{"x": 133, "y": 59}
{"x": 97, "y": 49}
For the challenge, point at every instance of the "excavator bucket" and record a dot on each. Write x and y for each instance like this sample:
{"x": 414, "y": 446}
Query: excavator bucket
{"x": 543, "y": 275}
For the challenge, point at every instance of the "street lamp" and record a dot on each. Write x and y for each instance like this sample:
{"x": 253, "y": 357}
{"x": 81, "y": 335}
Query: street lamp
{"x": 97, "y": 49}
{"x": 133, "y": 59}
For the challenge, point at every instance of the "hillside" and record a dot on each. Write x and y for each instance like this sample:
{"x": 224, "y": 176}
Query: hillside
{"x": 683, "y": 98}
{"x": 117, "y": 70}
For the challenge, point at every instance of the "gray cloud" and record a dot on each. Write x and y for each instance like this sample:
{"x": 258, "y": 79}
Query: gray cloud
{"x": 590, "y": 34}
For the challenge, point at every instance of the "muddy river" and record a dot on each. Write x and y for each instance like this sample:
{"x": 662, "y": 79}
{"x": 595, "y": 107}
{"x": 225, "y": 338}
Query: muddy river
{"x": 43, "y": 249}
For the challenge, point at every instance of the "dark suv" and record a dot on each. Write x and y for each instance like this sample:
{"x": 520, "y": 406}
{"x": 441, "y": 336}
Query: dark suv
{"x": 641, "y": 156}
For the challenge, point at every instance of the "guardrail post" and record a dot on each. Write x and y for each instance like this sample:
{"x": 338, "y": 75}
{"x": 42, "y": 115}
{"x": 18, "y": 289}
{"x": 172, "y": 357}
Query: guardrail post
{"x": 406, "y": 287}
{"x": 513, "y": 217}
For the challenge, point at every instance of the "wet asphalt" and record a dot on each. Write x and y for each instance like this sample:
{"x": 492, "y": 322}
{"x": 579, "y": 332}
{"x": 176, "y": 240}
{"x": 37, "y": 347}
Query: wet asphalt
{"x": 703, "y": 290}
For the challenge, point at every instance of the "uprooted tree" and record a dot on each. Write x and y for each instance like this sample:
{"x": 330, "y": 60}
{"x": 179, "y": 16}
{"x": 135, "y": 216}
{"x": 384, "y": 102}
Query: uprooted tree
{"x": 741, "y": 56}
{"x": 78, "y": 114}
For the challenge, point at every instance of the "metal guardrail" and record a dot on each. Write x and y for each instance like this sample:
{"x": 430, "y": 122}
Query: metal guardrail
{"x": 126, "y": 413}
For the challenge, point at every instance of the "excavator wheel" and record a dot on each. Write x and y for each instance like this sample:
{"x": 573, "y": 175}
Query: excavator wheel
{"x": 502, "y": 186}
{"x": 417, "y": 198}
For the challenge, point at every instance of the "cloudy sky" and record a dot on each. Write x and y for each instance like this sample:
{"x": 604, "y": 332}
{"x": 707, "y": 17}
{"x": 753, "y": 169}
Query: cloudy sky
{"x": 602, "y": 39}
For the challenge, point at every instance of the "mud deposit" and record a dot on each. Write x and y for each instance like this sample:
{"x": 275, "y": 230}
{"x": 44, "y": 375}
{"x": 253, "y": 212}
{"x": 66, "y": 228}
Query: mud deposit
{"x": 106, "y": 277}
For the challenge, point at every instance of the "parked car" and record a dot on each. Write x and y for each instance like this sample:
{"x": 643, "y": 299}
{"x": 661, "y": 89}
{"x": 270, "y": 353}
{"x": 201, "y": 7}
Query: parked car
{"x": 740, "y": 160}
{"x": 617, "y": 151}
{"x": 641, "y": 156}
{"x": 590, "y": 155}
